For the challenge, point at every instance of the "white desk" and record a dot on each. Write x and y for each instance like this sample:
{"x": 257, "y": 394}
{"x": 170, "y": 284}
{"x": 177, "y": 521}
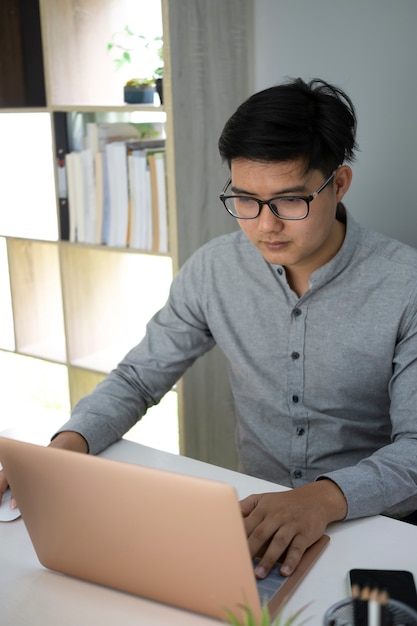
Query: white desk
{"x": 31, "y": 595}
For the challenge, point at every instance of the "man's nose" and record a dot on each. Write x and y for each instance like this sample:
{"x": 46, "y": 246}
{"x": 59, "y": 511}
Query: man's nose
{"x": 268, "y": 221}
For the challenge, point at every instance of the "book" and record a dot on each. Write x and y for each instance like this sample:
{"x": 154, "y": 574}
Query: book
{"x": 146, "y": 144}
{"x": 105, "y": 199}
{"x": 91, "y": 137}
{"x": 61, "y": 149}
{"x": 117, "y": 175}
{"x": 159, "y": 207}
{"x": 140, "y": 201}
{"x": 99, "y": 196}
{"x": 103, "y": 133}
{"x": 88, "y": 181}
{"x": 74, "y": 195}
{"x": 115, "y": 199}
{"x": 82, "y": 196}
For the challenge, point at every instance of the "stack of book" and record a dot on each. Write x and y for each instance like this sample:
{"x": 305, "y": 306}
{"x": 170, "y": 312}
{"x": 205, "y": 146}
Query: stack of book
{"x": 112, "y": 188}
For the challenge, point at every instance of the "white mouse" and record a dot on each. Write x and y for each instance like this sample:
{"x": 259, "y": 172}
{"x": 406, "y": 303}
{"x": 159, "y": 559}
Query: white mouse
{"x": 6, "y": 513}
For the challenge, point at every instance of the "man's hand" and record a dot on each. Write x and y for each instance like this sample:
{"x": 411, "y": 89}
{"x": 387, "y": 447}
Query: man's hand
{"x": 67, "y": 440}
{"x": 289, "y": 522}
{"x": 3, "y": 488}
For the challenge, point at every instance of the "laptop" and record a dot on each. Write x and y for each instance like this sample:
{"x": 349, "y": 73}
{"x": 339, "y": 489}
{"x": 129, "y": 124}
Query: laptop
{"x": 165, "y": 536}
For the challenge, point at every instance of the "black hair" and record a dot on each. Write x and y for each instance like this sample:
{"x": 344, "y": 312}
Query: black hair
{"x": 313, "y": 121}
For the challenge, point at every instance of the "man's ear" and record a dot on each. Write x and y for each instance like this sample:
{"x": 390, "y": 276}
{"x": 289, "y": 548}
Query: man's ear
{"x": 342, "y": 180}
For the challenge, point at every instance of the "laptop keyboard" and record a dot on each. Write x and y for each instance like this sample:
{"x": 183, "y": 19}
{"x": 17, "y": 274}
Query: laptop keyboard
{"x": 267, "y": 587}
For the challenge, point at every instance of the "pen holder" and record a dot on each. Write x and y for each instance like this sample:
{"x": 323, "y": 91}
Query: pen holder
{"x": 341, "y": 614}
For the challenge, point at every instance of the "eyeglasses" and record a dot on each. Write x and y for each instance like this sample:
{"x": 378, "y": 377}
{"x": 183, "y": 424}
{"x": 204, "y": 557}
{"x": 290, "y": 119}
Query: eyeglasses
{"x": 284, "y": 207}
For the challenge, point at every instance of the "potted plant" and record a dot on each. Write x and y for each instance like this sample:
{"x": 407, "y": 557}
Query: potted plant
{"x": 139, "y": 91}
{"x": 146, "y": 55}
{"x": 250, "y": 620}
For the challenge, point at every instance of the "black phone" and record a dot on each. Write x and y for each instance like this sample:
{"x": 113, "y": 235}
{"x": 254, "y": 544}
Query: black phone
{"x": 399, "y": 584}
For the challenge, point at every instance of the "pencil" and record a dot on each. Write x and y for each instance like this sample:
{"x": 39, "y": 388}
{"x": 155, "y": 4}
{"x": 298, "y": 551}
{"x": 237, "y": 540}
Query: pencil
{"x": 374, "y": 608}
{"x": 360, "y": 609}
{"x": 385, "y": 615}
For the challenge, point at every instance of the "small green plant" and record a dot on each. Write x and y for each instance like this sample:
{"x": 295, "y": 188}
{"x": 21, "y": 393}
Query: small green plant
{"x": 250, "y": 619}
{"x": 159, "y": 71}
{"x": 128, "y": 48}
{"x": 140, "y": 82}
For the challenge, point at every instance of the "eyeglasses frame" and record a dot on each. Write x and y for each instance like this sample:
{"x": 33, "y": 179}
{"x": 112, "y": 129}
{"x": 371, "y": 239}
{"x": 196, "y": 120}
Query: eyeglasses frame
{"x": 261, "y": 203}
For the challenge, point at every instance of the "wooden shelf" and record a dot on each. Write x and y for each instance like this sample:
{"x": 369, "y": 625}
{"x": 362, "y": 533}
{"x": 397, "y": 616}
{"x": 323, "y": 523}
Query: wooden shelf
{"x": 109, "y": 296}
{"x": 37, "y": 299}
{"x": 80, "y": 305}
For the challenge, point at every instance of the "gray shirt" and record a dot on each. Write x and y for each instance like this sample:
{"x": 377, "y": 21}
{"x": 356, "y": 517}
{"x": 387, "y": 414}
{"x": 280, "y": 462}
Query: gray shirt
{"x": 324, "y": 385}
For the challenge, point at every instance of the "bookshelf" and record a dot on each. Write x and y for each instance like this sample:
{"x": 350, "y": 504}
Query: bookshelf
{"x": 70, "y": 304}
{"x": 82, "y": 306}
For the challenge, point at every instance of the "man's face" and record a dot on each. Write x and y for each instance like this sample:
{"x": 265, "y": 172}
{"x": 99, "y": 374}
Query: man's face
{"x": 302, "y": 245}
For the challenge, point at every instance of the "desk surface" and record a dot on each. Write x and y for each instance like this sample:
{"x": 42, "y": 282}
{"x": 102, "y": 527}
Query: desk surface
{"x": 29, "y": 594}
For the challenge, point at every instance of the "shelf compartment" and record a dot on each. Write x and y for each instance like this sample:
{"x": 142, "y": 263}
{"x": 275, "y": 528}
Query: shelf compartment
{"x": 109, "y": 296}
{"x": 76, "y": 35}
{"x": 37, "y": 299}
{"x": 21, "y": 76}
{"x": 27, "y": 191}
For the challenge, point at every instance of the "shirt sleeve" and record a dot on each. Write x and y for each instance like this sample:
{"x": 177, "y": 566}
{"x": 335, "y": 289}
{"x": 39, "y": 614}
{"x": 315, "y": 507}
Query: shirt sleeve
{"x": 386, "y": 481}
{"x": 175, "y": 337}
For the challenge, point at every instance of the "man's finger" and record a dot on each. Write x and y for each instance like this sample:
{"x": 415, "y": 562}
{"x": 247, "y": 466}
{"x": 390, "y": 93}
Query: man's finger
{"x": 247, "y": 505}
{"x": 293, "y": 555}
{"x": 276, "y": 548}
{"x": 3, "y": 484}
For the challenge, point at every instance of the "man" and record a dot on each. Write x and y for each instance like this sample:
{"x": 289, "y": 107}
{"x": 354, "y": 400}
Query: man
{"x": 317, "y": 318}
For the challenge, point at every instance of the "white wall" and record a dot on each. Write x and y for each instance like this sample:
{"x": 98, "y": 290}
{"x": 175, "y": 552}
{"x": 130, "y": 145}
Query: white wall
{"x": 369, "y": 48}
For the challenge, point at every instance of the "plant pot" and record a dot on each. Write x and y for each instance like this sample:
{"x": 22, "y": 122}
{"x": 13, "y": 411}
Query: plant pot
{"x": 159, "y": 89}
{"x": 143, "y": 94}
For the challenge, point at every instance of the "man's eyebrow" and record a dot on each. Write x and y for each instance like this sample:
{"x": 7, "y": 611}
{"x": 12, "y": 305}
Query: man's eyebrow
{"x": 297, "y": 189}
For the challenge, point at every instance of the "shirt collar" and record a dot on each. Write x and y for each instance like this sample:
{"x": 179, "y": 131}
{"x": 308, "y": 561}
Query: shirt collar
{"x": 343, "y": 257}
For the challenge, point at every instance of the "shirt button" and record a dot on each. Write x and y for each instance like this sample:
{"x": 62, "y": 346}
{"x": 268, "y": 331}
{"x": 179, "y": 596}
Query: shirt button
{"x": 297, "y": 473}
{"x": 295, "y": 355}
{"x": 295, "y": 399}
{"x": 300, "y": 431}
{"x": 297, "y": 312}
{"x": 280, "y": 271}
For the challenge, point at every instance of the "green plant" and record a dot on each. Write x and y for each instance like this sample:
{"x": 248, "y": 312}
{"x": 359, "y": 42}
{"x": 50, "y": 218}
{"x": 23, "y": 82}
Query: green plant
{"x": 140, "y": 82}
{"x": 129, "y": 48}
{"x": 250, "y": 619}
{"x": 159, "y": 71}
